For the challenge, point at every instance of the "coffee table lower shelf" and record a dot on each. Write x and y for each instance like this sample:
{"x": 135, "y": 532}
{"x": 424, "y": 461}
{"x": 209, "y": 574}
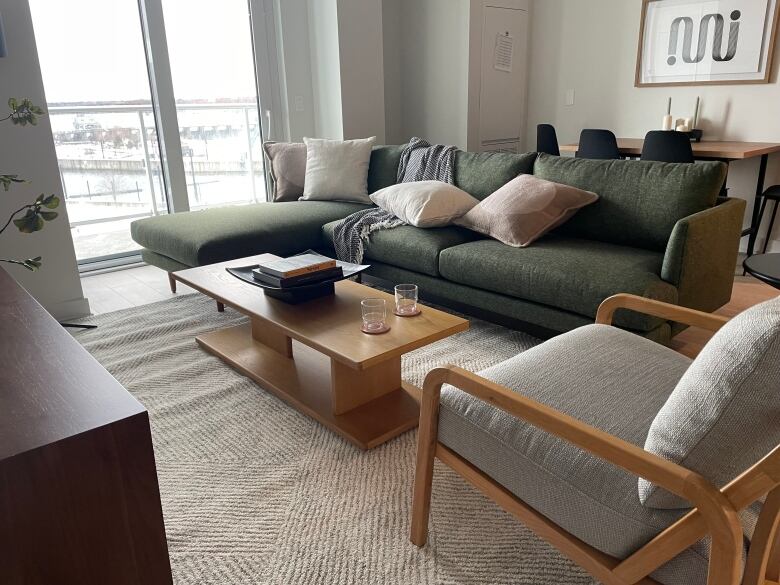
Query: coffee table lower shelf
{"x": 367, "y": 407}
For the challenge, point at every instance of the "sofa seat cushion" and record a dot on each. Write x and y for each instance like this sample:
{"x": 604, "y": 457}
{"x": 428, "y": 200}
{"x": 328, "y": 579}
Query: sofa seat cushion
{"x": 598, "y": 375}
{"x": 567, "y": 273}
{"x": 409, "y": 247}
{"x": 225, "y": 233}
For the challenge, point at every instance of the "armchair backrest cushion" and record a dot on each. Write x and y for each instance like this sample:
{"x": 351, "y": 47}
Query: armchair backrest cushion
{"x": 639, "y": 202}
{"x": 480, "y": 174}
{"x": 724, "y": 414}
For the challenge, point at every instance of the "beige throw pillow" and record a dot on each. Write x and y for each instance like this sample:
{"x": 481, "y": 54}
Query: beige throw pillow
{"x": 525, "y": 209}
{"x": 288, "y": 169}
{"x": 724, "y": 414}
{"x": 424, "y": 204}
{"x": 337, "y": 170}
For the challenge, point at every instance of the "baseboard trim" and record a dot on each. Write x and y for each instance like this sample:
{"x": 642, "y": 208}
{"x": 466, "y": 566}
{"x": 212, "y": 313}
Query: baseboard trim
{"x": 72, "y": 309}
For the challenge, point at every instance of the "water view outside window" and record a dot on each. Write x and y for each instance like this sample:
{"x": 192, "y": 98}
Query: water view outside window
{"x": 99, "y": 101}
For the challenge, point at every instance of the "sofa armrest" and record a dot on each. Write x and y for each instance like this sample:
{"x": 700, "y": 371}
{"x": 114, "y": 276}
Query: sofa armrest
{"x": 667, "y": 311}
{"x": 701, "y": 255}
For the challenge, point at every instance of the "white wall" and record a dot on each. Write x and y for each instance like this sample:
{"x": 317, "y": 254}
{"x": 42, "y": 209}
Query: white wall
{"x": 325, "y": 68}
{"x": 362, "y": 68}
{"x": 392, "y": 41}
{"x": 591, "y": 47}
{"x": 295, "y": 73}
{"x": 29, "y": 152}
{"x": 332, "y": 70}
{"x": 434, "y": 57}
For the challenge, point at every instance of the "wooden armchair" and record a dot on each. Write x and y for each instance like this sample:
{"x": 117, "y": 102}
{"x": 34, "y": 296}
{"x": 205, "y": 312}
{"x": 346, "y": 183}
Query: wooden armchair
{"x": 714, "y": 511}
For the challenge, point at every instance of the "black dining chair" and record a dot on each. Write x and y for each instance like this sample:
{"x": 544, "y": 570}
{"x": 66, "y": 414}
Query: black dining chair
{"x": 547, "y": 140}
{"x": 667, "y": 146}
{"x": 771, "y": 194}
{"x": 598, "y": 144}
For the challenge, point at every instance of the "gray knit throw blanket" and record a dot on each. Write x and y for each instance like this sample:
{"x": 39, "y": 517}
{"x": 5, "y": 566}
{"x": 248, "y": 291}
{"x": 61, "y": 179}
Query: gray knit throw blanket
{"x": 420, "y": 161}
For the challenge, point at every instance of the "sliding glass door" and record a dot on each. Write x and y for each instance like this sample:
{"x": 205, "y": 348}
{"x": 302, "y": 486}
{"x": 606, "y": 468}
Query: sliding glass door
{"x": 213, "y": 73}
{"x": 97, "y": 88}
{"x": 117, "y": 154}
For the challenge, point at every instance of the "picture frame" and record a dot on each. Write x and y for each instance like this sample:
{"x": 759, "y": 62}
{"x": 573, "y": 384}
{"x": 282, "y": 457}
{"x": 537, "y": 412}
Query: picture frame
{"x": 733, "y": 40}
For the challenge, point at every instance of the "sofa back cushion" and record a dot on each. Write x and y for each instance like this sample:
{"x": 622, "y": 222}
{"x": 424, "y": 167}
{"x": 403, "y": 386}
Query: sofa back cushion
{"x": 383, "y": 168}
{"x": 724, "y": 414}
{"x": 639, "y": 202}
{"x": 480, "y": 174}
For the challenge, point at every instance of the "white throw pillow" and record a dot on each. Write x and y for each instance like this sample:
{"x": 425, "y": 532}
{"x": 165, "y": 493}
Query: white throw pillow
{"x": 337, "y": 170}
{"x": 425, "y": 204}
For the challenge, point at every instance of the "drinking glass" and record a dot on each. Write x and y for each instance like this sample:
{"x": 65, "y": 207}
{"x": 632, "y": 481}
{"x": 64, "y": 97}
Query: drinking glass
{"x": 406, "y": 299}
{"x": 374, "y": 314}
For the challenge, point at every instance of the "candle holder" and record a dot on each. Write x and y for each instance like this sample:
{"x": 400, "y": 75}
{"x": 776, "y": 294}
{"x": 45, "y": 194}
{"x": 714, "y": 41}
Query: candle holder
{"x": 695, "y": 135}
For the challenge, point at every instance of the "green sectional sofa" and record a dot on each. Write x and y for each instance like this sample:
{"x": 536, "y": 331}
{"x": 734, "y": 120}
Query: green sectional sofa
{"x": 658, "y": 230}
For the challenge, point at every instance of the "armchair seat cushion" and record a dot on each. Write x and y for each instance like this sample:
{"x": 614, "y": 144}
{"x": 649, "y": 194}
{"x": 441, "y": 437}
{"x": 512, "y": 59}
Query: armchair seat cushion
{"x": 224, "y": 233}
{"x": 603, "y": 376}
{"x": 568, "y": 273}
{"x": 409, "y": 247}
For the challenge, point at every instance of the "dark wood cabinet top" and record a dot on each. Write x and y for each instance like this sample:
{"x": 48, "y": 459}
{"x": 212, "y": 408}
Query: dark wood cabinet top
{"x": 51, "y": 388}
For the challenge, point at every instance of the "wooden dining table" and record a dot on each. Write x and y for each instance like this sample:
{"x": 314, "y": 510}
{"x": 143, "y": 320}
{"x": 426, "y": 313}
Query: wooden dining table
{"x": 724, "y": 151}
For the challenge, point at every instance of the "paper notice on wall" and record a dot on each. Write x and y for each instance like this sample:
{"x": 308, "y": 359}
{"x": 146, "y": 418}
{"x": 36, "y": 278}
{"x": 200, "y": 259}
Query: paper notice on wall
{"x": 505, "y": 45}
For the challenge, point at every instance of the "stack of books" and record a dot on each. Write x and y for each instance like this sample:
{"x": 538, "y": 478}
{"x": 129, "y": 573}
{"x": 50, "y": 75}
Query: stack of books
{"x": 297, "y": 271}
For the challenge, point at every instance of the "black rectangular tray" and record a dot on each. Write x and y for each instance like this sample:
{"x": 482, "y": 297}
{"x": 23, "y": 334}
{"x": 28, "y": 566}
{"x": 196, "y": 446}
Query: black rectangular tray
{"x": 298, "y": 294}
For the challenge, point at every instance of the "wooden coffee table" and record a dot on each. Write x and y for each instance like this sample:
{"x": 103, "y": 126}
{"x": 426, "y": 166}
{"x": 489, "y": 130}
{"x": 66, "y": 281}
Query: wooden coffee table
{"x": 314, "y": 356}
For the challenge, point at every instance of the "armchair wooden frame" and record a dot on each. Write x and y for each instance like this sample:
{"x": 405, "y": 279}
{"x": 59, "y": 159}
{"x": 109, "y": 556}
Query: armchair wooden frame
{"x": 714, "y": 511}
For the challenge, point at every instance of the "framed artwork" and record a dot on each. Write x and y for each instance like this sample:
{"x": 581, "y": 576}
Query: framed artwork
{"x": 700, "y": 42}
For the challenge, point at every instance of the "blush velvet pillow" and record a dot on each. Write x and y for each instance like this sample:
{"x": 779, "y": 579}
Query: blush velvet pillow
{"x": 337, "y": 170}
{"x": 525, "y": 209}
{"x": 424, "y": 204}
{"x": 288, "y": 169}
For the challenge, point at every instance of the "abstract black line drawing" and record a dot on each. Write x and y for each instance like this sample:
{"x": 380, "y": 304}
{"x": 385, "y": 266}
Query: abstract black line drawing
{"x": 697, "y": 42}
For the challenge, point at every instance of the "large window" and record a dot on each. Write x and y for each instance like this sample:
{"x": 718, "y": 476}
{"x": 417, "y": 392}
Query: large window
{"x": 99, "y": 66}
{"x": 216, "y": 100}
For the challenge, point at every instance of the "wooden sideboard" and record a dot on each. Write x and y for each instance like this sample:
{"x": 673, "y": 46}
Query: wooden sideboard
{"x": 79, "y": 499}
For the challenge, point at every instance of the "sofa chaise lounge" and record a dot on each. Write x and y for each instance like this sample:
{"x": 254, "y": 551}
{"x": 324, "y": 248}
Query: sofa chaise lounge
{"x": 659, "y": 231}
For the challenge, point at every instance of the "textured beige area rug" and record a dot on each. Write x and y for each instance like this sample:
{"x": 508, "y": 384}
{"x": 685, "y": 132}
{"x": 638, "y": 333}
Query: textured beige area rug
{"x": 254, "y": 492}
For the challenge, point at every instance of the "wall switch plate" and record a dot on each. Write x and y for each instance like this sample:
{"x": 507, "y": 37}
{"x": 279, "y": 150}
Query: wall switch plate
{"x": 569, "y": 97}
{"x": 298, "y": 101}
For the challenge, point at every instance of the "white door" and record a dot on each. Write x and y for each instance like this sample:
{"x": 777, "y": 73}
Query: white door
{"x": 503, "y": 76}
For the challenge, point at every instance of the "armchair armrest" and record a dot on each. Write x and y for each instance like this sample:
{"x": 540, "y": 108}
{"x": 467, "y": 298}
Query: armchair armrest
{"x": 660, "y": 309}
{"x": 717, "y": 511}
{"x": 701, "y": 255}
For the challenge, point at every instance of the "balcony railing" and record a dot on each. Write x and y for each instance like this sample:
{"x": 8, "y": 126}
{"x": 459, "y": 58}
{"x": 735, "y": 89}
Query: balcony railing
{"x": 110, "y": 164}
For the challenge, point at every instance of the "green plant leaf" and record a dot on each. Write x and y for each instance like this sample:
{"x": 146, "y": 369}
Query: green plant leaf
{"x": 7, "y": 180}
{"x": 24, "y": 112}
{"x": 51, "y": 202}
{"x": 30, "y": 223}
{"x": 33, "y": 264}
{"x": 49, "y": 215}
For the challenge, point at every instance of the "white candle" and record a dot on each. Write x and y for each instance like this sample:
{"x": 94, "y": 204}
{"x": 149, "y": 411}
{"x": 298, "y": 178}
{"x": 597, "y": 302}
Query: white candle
{"x": 689, "y": 123}
{"x": 682, "y": 128}
{"x": 668, "y": 123}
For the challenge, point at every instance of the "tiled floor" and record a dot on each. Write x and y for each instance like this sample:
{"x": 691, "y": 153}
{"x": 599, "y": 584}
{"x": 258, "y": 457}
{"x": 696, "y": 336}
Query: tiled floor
{"x": 123, "y": 289}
